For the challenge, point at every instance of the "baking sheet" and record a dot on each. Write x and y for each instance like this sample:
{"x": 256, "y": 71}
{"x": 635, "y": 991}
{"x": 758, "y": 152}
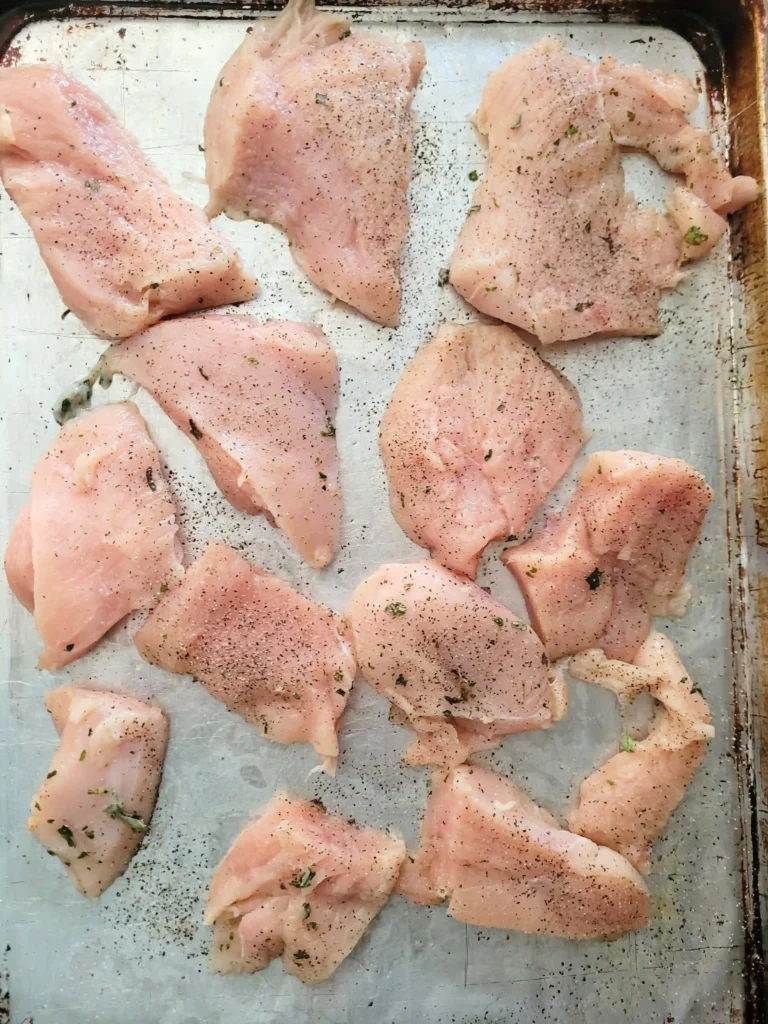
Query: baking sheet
{"x": 139, "y": 953}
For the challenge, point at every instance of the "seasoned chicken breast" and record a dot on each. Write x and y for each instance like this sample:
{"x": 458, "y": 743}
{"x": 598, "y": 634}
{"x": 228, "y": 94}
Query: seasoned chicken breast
{"x": 99, "y": 537}
{"x": 309, "y": 128}
{"x": 458, "y": 667}
{"x": 503, "y": 862}
{"x": 258, "y": 401}
{"x": 122, "y": 247}
{"x": 627, "y": 802}
{"x": 478, "y": 431}
{"x": 94, "y": 807}
{"x": 552, "y": 242}
{"x": 298, "y": 883}
{"x": 596, "y": 574}
{"x": 267, "y": 653}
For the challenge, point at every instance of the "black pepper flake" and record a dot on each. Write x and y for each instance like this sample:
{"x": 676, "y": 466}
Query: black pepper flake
{"x": 150, "y": 480}
{"x": 195, "y": 430}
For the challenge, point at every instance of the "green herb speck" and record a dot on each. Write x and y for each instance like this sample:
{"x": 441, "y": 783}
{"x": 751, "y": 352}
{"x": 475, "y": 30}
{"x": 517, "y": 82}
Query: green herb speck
{"x": 397, "y": 609}
{"x": 694, "y": 236}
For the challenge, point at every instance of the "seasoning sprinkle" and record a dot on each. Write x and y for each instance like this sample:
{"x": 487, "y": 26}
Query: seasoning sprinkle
{"x": 594, "y": 578}
{"x": 304, "y": 880}
{"x": 694, "y": 236}
{"x": 66, "y": 832}
{"x": 397, "y": 609}
{"x": 132, "y": 820}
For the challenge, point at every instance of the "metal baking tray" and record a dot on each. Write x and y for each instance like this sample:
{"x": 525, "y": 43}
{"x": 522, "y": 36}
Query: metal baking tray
{"x": 699, "y": 391}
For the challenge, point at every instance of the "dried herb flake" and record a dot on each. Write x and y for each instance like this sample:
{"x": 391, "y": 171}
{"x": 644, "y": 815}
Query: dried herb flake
{"x": 594, "y": 578}
{"x": 66, "y": 832}
{"x": 397, "y": 609}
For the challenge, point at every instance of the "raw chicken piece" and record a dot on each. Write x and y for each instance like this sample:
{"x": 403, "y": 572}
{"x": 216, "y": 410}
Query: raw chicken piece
{"x": 698, "y": 223}
{"x": 458, "y": 667}
{"x": 505, "y": 863}
{"x": 552, "y": 241}
{"x": 309, "y": 128}
{"x": 627, "y": 802}
{"x": 258, "y": 401}
{"x": 94, "y": 808}
{"x": 615, "y": 557}
{"x": 19, "y": 567}
{"x": 300, "y": 883}
{"x": 647, "y": 110}
{"x": 122, "y": 247}
{"x": 98, "y": 539}
{"x": 258, "y": 646}
{"x": 478, "y": 431}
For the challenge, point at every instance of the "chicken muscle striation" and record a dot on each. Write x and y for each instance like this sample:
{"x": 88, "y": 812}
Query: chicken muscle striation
{"x": 552, "y": 242}
{"x": 98, "y": 538}
{"x": 300, "y": 883}
{"x": 458, "y": 667}
{"x": 258, "y": 401}
{"x": 309, "y": 128}
{"x": 478, "y": 431}
{"x": 94, "y": 807}
{"x": 123, "y": 248}
{"x": 267, "y": 653}
{"x": 627, "y": 802}
{"x": 503, "y": 862}
{"x": 597, "y": 573}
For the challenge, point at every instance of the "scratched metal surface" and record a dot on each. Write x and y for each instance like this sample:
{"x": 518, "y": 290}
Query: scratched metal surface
{"x": 139, "y": 953}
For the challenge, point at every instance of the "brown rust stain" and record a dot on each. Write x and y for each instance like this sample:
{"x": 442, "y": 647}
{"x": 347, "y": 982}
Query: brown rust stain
{"x": 11, "y": 56}
{"x": 760, "y": 594}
